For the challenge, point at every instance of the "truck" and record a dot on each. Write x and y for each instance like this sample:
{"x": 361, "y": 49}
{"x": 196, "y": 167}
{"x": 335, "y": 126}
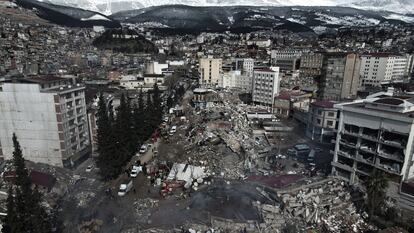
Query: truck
{"x": 125, "y": 187}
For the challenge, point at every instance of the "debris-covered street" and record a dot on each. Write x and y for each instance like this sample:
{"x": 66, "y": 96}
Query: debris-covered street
{"x": 214, "y": 171}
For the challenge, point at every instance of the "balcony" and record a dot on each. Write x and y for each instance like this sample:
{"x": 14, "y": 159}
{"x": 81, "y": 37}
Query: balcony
{"x": 344, "y": 154}
{"x": 393, "y": 156}
{"x": 394, "y": 139}
{"x": 342, "y": 166}
{"x": 370, "y": 134}
{"x": 389, "y": 166}
{"x": 365, "y": 158}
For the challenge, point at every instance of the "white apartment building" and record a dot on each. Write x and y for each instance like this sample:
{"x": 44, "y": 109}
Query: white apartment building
{"x": 156, "y": 68}
{"x": 266, "y": 85}
{"x": 235, "y": 79}
{"x": 382, "y": 67}
{"x": 48, "y": 115}
{"x": 377, "y": 132}
{"x": 210, "y": 70}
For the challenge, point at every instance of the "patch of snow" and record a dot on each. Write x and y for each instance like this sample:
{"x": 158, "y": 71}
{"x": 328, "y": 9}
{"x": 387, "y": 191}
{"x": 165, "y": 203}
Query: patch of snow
{"x": 296, "y": 21}
{"x": 319, "y": 29}
{"x": 96, "y": 17}
{"x": 231, "y": 19}
{"x": 404, "y": 18}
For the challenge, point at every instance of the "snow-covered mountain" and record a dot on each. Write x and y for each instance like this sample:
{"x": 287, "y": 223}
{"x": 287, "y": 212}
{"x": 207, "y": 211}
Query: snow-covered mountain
{"x": 399, "y": 6}
{"x": 112, "y": 6}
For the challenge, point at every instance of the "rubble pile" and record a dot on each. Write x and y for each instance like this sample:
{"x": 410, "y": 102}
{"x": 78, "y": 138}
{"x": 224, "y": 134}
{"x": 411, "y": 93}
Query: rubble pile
{"x": 143, "y": 206}
{"x": 326, "y": 204}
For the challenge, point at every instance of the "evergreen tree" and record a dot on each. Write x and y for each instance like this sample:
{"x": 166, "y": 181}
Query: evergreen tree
{"x": 26, "y": 212}
{"x": 157, "y": 103}
{"x": 139, "y": 118}
{"x": 123, "y": 131}
{"x": 107, "y": 147}
{"x": 11, "y": 219}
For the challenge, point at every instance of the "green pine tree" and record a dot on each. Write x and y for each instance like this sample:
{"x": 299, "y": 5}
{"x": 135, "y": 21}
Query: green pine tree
{"x": 27, "y": 201}
{"x": 157, "y": 103}
{"x": 10, "y": 221}
{"x": 123, "y": 131}
{"x": 107, "y": 147}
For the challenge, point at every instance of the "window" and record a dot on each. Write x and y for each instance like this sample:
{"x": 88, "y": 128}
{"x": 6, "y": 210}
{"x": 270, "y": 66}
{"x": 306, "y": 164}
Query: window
{"x": 318, "y": 121}
{"x": 331, "y": 114}
{"x": 329, "y": 123}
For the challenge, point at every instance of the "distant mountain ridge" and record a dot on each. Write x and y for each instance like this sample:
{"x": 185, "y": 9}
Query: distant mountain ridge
{"x": 68, "y": 16}
{"x": 108, "y": 7}
{"x": 248, "y": 18}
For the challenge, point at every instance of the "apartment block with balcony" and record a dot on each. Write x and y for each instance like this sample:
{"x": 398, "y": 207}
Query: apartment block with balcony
{"x": 48, "y": 115}
{"x": 376, "y": 133}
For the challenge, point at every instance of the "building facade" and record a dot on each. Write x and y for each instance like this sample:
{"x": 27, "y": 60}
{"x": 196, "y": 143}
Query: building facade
{"x": 266, "y": 85}
{"x": 210, "y": 70}
{"x": 375, "y": 133}
{"x": 322, "y": 121}
{"x": 340, "y": 76}
{"x": 48, "y": 115}
{"x": 377, "y": 68}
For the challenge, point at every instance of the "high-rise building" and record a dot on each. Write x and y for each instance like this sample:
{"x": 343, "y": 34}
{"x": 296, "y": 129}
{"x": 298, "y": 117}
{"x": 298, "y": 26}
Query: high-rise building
{"x": 210, "y": 70}
{"x": 266, "y": 85}
{"x": 340, "y": 76}
{"x": 383, "y": 67}
{"x": 48, "y": 115}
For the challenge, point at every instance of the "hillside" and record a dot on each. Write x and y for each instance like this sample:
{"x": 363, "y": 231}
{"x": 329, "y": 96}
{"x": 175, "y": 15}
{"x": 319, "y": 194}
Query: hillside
{"x": 68, "y": 16}
{"x": 126, "y": 41}
{"x": 234, "y": 18}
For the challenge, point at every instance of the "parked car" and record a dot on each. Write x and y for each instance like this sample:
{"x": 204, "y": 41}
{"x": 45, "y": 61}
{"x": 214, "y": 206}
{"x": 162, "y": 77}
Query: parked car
{"x": 135, "y": 171}
{"x": 173, "y": 130}
{"x": 143, "y": 149}
{"x": 89, "y": 168}
{"x": 125, "y": 187}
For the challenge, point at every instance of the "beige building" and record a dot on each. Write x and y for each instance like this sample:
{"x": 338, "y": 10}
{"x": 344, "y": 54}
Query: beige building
{"x": 210, "y": 70}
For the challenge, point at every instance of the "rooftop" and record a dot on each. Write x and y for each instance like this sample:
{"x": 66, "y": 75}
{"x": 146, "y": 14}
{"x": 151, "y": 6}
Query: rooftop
{"x": 43, "y": 79}
{"x": 323, "y": 104}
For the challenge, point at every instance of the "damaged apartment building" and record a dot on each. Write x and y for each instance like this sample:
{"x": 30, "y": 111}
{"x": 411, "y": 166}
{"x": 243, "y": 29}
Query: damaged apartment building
{"x": 377, "y": 133}
{"x": 48, "y": 115}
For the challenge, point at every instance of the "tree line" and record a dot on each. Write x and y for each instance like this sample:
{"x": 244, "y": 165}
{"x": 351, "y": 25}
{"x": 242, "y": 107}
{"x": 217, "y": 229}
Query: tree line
{"x": 121, "y": 133}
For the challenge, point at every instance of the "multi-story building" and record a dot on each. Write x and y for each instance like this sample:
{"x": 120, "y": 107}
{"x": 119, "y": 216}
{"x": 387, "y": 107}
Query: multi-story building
{"x": 235, "y": 79}
{"x": 286, "y": 59}
{"x": 376, "y": 133}
{"x": 311, "y": 65}
{"x": 266, "y": 85}
{"x": 377, "y": 68}
{"x": 48, "y": 115}
{"x": 210, "y": 70}
{"x": 322, "y": 121}
{"x": 245, "y": 65}
{"x": 340, "y": 76}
